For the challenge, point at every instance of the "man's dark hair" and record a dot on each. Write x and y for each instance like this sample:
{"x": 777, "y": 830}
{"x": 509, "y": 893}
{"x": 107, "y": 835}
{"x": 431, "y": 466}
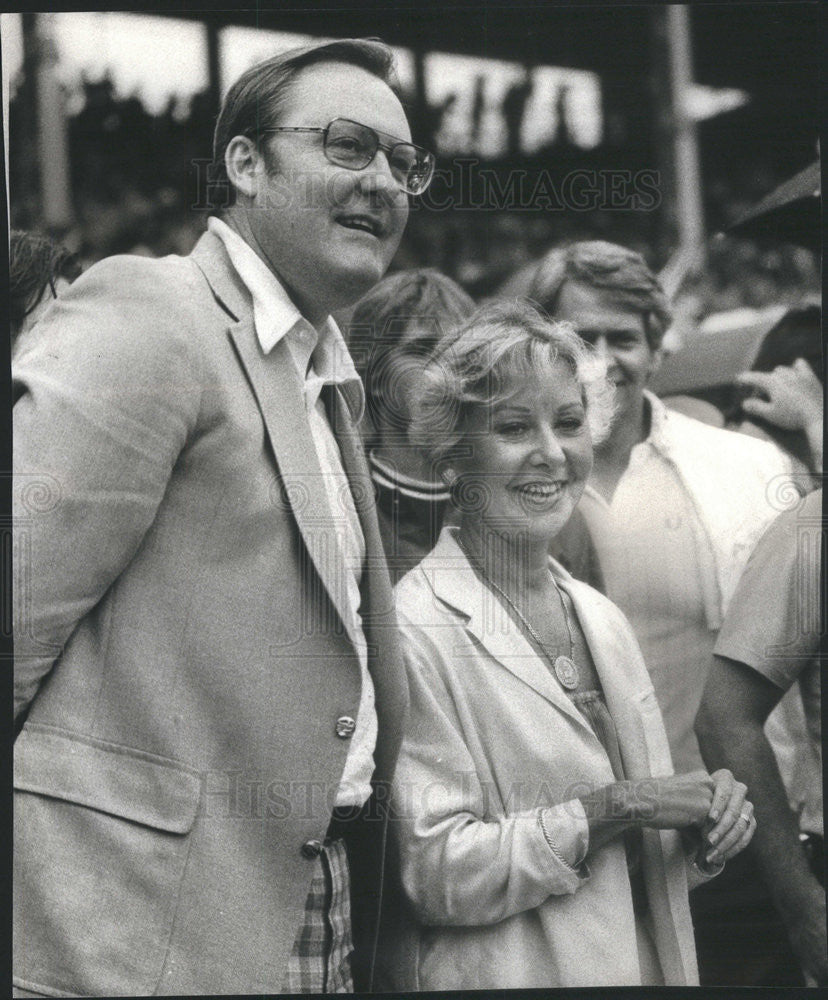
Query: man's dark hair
{"x": 35, "y": 261}
{"x": 409, "y": 311}
{"x": 256, "y": 99}
{"x": 607, "y": 266}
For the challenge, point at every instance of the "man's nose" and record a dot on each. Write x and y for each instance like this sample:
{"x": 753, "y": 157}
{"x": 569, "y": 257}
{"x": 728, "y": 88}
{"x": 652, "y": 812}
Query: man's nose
{"x": 602, "y": 348}
{"x": 378, "y": 179}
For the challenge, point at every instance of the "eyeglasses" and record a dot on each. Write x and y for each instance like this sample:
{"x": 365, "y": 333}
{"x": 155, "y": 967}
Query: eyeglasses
{"x": 353, "y": 146}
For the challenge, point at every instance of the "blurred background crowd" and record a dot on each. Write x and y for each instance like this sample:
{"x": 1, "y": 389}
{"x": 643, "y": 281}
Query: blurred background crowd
{"x": 655, "y": 130}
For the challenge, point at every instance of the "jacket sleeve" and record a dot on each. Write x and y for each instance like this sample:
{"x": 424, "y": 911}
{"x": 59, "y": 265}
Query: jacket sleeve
{"x": 105, "y": 395}
{"x": 461, "y": 865}
{"x": 696, "y": 873}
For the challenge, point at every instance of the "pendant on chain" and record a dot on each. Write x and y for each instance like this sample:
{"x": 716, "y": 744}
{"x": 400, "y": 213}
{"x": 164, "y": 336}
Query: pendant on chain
{"x": 567, "y": 672}
{"x": 564, "y": 666}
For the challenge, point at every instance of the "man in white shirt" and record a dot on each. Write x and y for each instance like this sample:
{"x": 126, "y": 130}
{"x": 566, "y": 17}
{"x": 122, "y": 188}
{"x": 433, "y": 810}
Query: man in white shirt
{"x": 205, "y": 649}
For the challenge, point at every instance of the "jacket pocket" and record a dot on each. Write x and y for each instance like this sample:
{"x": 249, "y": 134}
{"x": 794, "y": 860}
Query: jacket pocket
{"x": 101, "y": 841}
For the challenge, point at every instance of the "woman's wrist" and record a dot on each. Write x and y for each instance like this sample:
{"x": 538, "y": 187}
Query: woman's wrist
{"x": 612, "y": 810}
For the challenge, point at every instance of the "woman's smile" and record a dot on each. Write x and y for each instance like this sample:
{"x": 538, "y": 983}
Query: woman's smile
{"x": 540, "y": 494}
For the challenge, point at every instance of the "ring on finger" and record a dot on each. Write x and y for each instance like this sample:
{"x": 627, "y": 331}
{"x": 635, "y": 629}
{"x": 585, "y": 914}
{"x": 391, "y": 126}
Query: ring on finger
{"x": 746, "y": 817}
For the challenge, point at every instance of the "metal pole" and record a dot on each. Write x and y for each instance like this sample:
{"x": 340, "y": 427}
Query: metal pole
{"x": 662, "y": 133}
{"x": 24, "y": 167}
{"x": 213, "y": 63}
{"x": 421, "y": 116}
{"x": 685, "y": 137}
{"x": 5, "y": 97}
{"x": 52, "y": 133}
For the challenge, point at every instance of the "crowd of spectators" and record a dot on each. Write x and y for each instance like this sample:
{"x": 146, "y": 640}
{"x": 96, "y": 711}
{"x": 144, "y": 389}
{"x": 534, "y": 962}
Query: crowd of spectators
{"x": 138, "y": 185}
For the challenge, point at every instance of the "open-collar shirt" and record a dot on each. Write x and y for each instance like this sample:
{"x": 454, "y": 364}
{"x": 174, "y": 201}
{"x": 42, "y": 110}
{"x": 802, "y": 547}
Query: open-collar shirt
{"x": 672, "y": 543}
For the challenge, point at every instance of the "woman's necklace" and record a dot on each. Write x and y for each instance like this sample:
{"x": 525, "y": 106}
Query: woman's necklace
{"x": 565, "y": 667}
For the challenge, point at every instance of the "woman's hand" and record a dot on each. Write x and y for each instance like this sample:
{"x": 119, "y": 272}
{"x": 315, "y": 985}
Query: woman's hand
{"x": 731, "y": 825}
{"x": 670, "y": 803}
{"x": 675, "y": 802}
{"x": 716, "y": 803}
{"x": 713, "y": 804}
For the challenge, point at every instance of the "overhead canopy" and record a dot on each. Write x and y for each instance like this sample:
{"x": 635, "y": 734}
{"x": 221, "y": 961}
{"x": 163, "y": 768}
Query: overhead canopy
{"x": 735, "y": 45}
{"x": 790, "y": 213}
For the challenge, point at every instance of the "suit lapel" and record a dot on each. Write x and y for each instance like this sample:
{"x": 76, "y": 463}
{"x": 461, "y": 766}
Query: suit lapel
{"x": 277, "y": 387}
{"x": 384, "y": 656}
{"x": 664, "y": 866}
{"x": 278, "y": 390}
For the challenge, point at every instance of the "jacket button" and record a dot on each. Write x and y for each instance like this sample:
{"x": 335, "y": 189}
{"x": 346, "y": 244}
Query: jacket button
{"x": 345, "y": 727}
{"x": 312, "y": 849}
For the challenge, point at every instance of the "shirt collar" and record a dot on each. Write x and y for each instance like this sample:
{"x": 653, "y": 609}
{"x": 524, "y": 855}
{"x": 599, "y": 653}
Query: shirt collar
{"x": 388, "y": 475}
{"x": 275, "y": 315}
{"x": 657, "y": 439}
{"x": 658, "y": 421}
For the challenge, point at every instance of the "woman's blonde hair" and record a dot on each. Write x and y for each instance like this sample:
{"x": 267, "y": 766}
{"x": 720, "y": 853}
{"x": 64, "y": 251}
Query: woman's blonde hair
{"x": 486, "y": 360}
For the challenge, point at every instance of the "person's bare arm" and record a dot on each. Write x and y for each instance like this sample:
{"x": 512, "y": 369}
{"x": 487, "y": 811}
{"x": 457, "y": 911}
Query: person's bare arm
{"x": 737, "y": 700}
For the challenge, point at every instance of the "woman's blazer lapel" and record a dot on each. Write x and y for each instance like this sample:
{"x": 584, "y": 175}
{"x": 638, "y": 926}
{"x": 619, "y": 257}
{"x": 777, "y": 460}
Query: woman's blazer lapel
{"x": 645, "y": 752}
{"x": 456, "y": 584}
{"x": 624, "y": 677}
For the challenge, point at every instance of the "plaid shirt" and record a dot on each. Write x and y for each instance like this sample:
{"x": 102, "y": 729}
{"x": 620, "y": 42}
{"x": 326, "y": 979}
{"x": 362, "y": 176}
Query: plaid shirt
{"x": 321, "y": 958}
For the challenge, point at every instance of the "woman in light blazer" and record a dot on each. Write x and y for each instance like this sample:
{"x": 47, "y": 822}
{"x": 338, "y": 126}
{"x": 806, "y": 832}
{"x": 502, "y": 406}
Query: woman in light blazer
{"x": 543, "y": 839}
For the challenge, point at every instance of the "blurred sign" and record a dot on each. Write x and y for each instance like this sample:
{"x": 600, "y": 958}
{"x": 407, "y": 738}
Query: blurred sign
{"x": 724, "y": 344}
{"x": 480, "y": 95}
{"x": 702, "y": 102}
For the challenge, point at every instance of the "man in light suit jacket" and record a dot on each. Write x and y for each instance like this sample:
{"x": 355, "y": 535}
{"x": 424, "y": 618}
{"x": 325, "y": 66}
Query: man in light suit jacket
{"x": 205, "y": 643}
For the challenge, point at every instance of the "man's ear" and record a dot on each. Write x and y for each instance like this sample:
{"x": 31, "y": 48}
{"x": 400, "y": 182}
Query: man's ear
{"x": 243, "y": 163}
